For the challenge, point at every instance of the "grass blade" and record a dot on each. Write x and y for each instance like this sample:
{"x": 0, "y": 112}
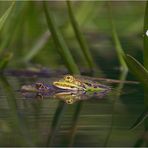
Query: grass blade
{"x": 140, "y": 72}
{"x": 5, "y": 60}
{"x": 58, "y": 116}
{"x": 5, "y": 15}
{"x": 73, "y": 130}
{"x": 119, "y": 49}
{"x": 13, "y": 23}
{"x": 82, "y": 14}
{"x": 146, "y": 37}
{"x": 39, "y": 44}
{"x": 59, "y": 41}
{"x": 80, "y": 37}
{"x": 137, "y": 69}
{"x": 119, "y": 88}
{"x": 140, "y": 119}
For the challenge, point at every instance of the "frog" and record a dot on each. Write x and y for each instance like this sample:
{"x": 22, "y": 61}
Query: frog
{"x": 72, "y": 83}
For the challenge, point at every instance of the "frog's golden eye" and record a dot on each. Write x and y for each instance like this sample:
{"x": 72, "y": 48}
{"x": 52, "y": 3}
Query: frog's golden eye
{"x": 69, "y": 78}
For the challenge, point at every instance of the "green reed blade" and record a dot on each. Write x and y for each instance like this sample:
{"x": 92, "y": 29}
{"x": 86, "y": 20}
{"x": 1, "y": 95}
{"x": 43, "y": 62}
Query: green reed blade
{"x": 82, "y": 14}
{"x": 142, "y": 141}
{"x": 75, "y": 119}
{"x": 5, "y": 60}
{"x": 13, "y": 23}
{"x": 145, "y": 54}
{"x": 59, "y": 41}
{"x": 80, "y": 37}
{"x": 4, "y": 17}
{"x": 146, "y": 37}
{"x": 57, "y": 119}
{"x": 39, "y": 44}
{"x": 119, "y": 49}
{"x": 137, "y": 69}
{"x": 140, "y": 119}
{"x": 116, "y": 97}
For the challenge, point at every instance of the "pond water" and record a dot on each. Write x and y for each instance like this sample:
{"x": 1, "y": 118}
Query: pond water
{"x": 52, "y": 122}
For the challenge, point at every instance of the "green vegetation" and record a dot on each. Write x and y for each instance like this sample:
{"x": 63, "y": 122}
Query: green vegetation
{"x": 78, "y": 37}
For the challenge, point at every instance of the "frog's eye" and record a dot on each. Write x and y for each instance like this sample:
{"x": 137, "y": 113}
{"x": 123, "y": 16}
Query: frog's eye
{"x": 39, "y": 85}
{"x": 69, "y": 78}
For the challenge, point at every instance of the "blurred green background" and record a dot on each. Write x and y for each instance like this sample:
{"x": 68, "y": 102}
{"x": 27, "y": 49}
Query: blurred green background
{"x": 25, "y": 32}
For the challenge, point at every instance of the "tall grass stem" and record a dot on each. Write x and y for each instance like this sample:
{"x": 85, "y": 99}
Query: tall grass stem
{"x": 59, "y": 41}
{"x": 146, "y": 37}
{"x": 118, "y": 46}
{"x": 80, "y": 38}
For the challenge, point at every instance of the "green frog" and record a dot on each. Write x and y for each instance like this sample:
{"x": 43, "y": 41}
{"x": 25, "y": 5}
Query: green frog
{"x": 72, "y": 83}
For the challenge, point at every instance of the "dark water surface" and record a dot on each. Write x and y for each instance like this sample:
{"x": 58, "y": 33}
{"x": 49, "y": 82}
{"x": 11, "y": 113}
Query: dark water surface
{"x": 51, "y": 122}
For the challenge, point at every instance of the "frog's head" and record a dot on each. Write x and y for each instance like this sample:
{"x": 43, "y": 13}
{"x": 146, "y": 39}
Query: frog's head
{"x": 68, "y": 83}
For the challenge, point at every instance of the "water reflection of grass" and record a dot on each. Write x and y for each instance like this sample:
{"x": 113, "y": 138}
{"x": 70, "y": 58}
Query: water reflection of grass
{"x": 18, "y": 124}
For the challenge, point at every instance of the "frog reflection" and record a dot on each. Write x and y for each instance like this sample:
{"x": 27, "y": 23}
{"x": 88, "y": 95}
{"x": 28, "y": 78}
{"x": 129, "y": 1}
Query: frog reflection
{"x": 68, "y": 97}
